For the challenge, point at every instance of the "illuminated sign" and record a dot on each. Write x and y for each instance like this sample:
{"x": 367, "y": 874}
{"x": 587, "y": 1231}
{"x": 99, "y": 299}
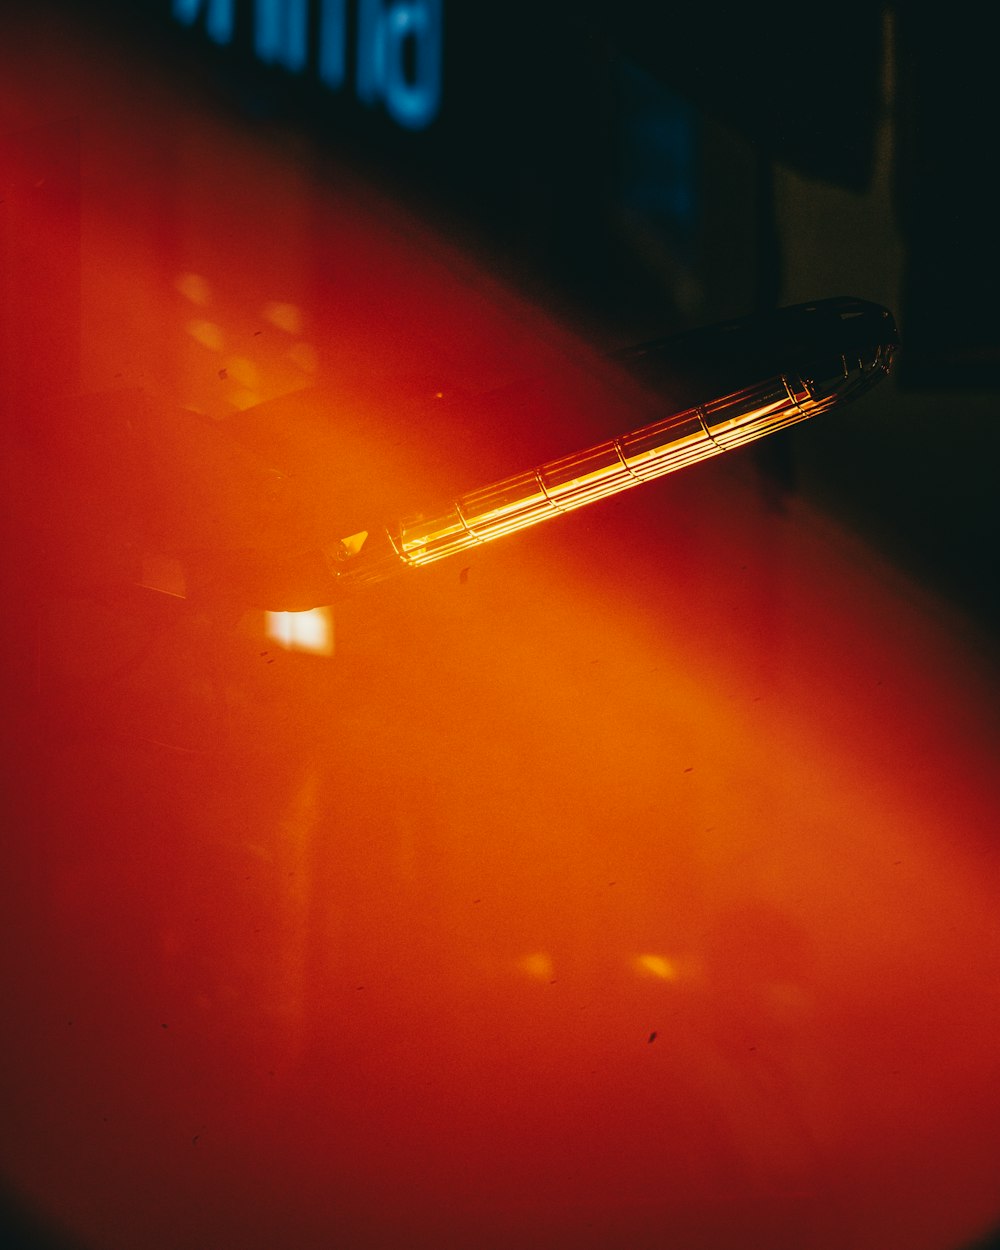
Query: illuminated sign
{"x": 396, "y": 45}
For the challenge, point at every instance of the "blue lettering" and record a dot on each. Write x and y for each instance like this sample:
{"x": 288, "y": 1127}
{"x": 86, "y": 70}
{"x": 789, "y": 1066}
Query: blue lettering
{"x": 333, "y": 43}
{"x": 386, "y": 34}
{"x": 371, "y": 51}
{"x": 282, "y": 33}
{"x": 398, "y": 46}
{"x": 218, "y": 17}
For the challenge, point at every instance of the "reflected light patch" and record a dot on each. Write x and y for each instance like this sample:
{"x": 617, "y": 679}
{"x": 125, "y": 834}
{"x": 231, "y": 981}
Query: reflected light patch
{"x": 207, "y": 333}
{"x": 194, "y": 288}
{"x": 243, "y": 399}
{"x": 253, "y": 373}
{"x": 656, "y": 966}
{"x": 538, "y": 966}
{"x": 242, "y": 370}
{"x": 310, "y": 631}
{"x": 286, "y": 317}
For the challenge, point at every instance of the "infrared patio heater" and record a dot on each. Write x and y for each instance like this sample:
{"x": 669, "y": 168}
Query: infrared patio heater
{"x": 751, "y": 377}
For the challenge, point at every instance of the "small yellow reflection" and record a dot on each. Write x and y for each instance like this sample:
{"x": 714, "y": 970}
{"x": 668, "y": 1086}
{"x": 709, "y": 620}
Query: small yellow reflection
{"x": 656, "y": 966}
{"x": 243, "y": 399}
{"x": 207, "y": 333}
{"x": 242, "y": 370}
{"x": 286, "y": 317}
{"x": 193, "y": 287}
{"x": 310, "y": 631}
{"x": 538, "y": 966}
{"x": 353, "y": 543}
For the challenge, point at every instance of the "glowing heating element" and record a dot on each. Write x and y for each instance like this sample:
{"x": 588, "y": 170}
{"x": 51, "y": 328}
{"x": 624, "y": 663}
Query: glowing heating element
{"x": 575, "y": 481}
{"x": 683, "y": 438}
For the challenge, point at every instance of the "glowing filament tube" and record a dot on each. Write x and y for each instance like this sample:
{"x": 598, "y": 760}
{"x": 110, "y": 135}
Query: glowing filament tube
{"x": 837, "y": 349}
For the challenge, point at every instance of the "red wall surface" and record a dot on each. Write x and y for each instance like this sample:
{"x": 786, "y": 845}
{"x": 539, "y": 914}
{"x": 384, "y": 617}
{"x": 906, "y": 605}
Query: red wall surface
{"x": 629, "y": 883}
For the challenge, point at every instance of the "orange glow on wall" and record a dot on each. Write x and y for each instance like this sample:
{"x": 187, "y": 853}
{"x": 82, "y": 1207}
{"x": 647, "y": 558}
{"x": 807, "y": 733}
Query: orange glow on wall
{"x": 632, "y": 884}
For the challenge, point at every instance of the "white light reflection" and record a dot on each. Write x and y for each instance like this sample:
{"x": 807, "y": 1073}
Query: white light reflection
{"x": 310, "y": 631}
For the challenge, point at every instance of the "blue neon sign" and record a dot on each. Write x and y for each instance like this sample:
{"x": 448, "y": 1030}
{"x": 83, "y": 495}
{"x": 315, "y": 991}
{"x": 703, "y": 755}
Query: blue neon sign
{"x": 397, "y": 46}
